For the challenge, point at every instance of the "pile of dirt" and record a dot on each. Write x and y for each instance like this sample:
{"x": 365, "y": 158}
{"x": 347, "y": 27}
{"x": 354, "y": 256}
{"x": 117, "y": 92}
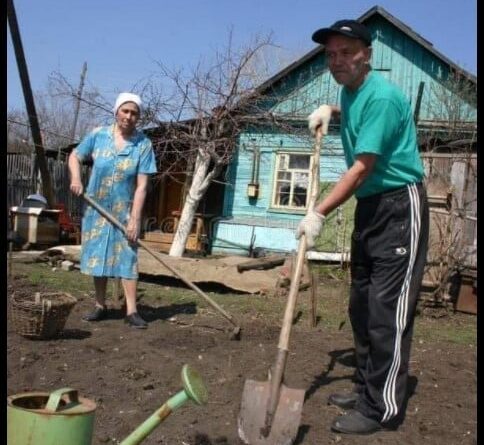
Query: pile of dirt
{"x": 130, "y": 373}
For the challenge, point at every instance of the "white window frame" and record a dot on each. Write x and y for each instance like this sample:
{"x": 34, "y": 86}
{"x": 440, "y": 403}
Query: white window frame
{"x": 274, "y": 205}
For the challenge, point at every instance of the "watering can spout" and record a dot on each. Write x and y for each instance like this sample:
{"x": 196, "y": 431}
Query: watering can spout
{"x": 63, "y": 417}
{"x": 193, "y": 389}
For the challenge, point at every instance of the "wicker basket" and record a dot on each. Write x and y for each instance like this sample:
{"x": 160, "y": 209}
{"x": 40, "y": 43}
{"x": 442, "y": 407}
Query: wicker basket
{"x": 40, "y": 317}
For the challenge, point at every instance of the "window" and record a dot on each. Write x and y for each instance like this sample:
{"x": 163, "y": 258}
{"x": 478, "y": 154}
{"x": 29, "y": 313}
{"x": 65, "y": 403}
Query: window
{"x": 292, "y": 179}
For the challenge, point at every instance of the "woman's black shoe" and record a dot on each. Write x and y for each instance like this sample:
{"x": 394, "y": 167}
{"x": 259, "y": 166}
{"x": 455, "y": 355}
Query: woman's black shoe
{"x": 97, "y": 314}
{"x": 135, "y": 321}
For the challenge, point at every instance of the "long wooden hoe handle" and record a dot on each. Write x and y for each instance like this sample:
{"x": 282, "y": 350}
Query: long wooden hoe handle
{"x": 115, "y": 222}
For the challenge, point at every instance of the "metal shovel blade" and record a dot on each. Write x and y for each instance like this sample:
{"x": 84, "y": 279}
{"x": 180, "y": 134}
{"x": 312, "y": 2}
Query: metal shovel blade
{"x": 253, "y": 413}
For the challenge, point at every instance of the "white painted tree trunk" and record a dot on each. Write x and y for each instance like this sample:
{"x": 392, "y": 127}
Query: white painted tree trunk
{"x": 201, "y": 181}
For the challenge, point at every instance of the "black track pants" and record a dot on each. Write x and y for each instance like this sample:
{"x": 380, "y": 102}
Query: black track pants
{"x": 388, "y": 255}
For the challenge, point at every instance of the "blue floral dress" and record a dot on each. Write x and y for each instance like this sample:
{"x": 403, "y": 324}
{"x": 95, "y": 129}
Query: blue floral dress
{"x": 106, "y": 252}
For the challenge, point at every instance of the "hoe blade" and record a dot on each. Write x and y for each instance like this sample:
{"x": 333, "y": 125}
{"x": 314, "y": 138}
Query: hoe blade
{"x": 253, "y": 413}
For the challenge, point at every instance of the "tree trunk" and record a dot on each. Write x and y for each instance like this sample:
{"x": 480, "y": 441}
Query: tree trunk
{"x": 197, "y": 189}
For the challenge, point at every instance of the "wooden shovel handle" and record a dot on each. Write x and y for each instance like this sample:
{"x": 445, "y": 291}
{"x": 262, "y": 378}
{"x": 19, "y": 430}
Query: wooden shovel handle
{"x": 293, "y": 292}
{"x": 301, "y": 253}
{"x": 283, "y": 346}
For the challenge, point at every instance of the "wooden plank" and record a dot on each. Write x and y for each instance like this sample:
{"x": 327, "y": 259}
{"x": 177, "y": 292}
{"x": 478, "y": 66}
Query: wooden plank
{"x": 425, "y": 156}
{"x": 166, "y": 239}
{"x": 314, "y": 297}
{"x": 118, "y": 294}
{"x": 262, "y": 263}
{"x": 159, "y": 237}
{"x": 157, "y": 246}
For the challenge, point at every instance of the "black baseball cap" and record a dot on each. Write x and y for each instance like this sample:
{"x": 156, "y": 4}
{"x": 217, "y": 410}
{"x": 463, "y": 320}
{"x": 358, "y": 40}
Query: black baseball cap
{"x": 348, "y": 28}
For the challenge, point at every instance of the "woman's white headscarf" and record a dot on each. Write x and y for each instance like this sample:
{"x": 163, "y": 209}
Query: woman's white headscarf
{"x": 127, "y": 97}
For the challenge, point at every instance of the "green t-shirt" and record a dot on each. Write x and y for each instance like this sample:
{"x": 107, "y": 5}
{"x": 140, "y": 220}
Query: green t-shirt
{"x": 377, "y": 119}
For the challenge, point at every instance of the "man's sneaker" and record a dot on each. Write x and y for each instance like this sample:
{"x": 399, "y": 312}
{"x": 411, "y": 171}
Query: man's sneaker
{"x": 98, "y": 314}
{"x": 344, "y": 400}
{"x": 354, "y": 422}
{"x": 135, "y": 321}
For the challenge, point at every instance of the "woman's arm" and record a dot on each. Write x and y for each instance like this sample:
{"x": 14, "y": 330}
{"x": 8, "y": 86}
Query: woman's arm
{"x": 75, "y": 171}
{"x": 134, "y": 223}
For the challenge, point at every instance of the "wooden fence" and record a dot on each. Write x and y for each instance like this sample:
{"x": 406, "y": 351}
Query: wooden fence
{"x": 21, "y": 182}
{"x": 452, "y": 191}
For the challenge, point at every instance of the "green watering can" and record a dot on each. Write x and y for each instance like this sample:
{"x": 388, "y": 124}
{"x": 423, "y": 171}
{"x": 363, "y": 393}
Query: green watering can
{"x": 35, "y": 418}
{"x": 62, "y": 417}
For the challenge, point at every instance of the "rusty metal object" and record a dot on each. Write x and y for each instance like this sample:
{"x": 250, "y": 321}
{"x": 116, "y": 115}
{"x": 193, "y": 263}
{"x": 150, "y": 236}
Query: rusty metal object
{"x": 286, "y": 420}
{"x": 467, "y": 297}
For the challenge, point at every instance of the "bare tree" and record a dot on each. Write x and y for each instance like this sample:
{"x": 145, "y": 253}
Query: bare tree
{"x": 98, "y": 108}
{"x": 18, "y": 132}
{"x": 95, "y": 109}
{"x": 55, "y": 115}
{"x": 207, "y": 109}
{"x": 453, "y": 105}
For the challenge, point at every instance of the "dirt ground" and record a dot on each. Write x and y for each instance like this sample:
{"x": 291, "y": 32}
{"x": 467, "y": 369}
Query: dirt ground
{"x": 130, "y": 373}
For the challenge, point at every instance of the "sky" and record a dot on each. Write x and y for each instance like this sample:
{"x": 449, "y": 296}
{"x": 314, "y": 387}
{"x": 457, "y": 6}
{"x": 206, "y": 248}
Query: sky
{"x": 122, "y": 41}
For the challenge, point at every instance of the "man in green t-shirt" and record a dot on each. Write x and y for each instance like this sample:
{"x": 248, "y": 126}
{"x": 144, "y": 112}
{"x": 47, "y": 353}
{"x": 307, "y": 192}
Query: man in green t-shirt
{"x": 390, "y": 238}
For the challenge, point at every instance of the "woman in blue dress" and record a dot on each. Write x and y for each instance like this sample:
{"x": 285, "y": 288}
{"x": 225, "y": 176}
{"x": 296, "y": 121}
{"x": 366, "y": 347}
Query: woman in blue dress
{"x": 123, "y": 159}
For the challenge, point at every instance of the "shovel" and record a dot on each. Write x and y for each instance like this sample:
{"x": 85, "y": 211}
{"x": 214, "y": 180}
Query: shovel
{"x": 270, "y": 411}
{"x": 235, "y": 335}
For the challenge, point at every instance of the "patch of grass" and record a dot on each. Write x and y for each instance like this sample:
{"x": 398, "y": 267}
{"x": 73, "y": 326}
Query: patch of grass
{"x": 41, "y": 274}
{"x": 332, "y": 304}
{"x": 453, "y": 328}
{"x": 338, "y": 225}
{"x": 327, "y": 272}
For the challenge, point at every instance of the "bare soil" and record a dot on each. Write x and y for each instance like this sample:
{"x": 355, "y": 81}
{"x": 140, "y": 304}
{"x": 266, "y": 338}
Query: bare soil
{"x": 130, "y": 373}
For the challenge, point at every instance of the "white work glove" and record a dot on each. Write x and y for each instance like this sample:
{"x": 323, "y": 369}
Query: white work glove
{"x": 311, "y": 226}
{"x": 320, "y": 117}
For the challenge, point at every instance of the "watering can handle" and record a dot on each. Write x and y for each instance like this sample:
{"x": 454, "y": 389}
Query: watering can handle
{"x": 56, "y": 396}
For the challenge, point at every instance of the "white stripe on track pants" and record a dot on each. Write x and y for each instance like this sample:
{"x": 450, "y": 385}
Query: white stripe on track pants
{"x": 388, "y": 255}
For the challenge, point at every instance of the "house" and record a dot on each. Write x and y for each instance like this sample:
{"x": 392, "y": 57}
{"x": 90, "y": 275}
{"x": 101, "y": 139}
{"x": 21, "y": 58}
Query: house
{"x": 269, "y": 178}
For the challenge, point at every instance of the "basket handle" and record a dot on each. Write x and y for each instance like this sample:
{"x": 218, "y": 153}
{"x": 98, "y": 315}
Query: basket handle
{"x": 56, "y": 396}
{"x": 44, "y": 302}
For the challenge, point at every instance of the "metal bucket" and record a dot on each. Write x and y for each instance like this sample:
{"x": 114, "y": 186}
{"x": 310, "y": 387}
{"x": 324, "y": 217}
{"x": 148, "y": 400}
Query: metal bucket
{"x": 61, "y": 417}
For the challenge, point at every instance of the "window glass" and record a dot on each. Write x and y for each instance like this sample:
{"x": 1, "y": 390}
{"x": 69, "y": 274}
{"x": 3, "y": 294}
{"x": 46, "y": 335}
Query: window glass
{"x": 292, "y": 181}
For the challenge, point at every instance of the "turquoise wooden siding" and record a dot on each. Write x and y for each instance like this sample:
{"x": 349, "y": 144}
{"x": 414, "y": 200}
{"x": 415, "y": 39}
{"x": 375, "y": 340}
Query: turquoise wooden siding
{"x": 237, "y": 203}
{"x": 305, "y": 89}
{"x": 235, "y": 237}
{"x": 406, "y": 63}
{"x": 396, "y": 56}
{"x": 247, "y": 220}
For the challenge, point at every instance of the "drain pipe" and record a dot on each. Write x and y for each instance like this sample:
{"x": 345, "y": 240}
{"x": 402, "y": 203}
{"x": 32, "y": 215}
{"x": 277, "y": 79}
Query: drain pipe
{"x": 253, "y": 186}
